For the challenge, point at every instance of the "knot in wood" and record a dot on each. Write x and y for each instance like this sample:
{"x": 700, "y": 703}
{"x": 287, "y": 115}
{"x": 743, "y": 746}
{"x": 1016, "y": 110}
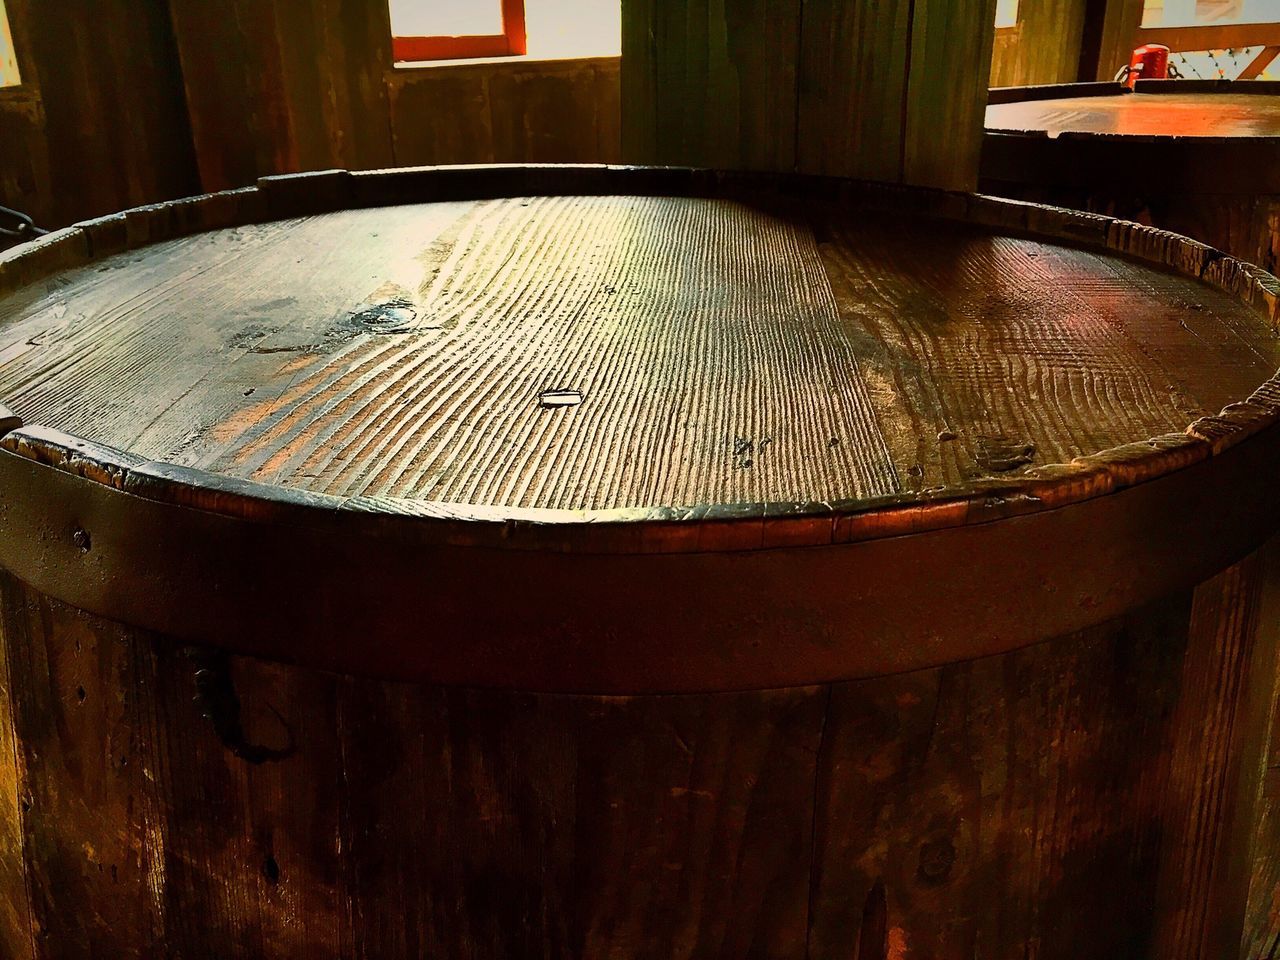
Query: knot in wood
{"x": 936, "y": 859}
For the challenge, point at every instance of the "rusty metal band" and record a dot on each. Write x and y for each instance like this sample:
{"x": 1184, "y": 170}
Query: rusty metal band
{"x": 371, "y": 595}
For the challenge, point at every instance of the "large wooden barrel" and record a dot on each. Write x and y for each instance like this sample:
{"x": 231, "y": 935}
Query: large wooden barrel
{"x": 1198, "y": 157}
{"x": 597, "y": 562}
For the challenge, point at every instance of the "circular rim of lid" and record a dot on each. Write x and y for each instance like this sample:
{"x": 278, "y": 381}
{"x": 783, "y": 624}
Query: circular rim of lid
{"x": 719, "y": 527}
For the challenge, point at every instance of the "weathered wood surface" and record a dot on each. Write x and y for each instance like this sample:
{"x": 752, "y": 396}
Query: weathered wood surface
{"x": 710, "y": 84}
{"x": 1145, "y": 115}
{"x": 724, "y": 352}
{"x": 1052, "y": 802}
{"x": 1044, "y": 46}
{"x": 98, "y": 122}
{"x": 558, "y": 111}
{"x": 209, "y": 807}
{"x": 893, "y": 93}
{"x": 171, "y": 98}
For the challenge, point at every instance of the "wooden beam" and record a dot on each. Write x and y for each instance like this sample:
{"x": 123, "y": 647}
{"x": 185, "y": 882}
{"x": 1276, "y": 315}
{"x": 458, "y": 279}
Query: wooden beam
{"x": 1260, "y": 63}
{"x": 1220, "y": 37}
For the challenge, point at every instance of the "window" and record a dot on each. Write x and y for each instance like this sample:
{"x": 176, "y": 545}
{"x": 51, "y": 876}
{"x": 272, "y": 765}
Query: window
{"x": 456, "y": 29}
{"x": 9, "y": 76}
{"x": 1006, "y": 13}
{"x": 467, "y": 29}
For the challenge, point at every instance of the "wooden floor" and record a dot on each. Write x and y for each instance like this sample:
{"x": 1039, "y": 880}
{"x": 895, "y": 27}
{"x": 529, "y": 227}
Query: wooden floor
{"x": 598, "y": 352}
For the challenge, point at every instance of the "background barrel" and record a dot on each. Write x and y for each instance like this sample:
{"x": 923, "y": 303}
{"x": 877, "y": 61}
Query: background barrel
{"x": 1201, "y": 158}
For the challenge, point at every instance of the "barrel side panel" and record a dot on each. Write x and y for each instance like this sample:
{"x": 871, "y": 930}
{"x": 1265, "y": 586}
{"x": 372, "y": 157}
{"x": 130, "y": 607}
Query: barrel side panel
{"x": 1259, "y": 804}
{"x": 188, "y": 803}
{"x": 1005, "y": 807}
{"x": 1203, "y": 888}
{"x": 16, "y": 932}
{"x": 92, "y": 851}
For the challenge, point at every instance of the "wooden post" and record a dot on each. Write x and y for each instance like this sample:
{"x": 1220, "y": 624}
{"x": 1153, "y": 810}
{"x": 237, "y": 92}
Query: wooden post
{"x": 893, "y": 93}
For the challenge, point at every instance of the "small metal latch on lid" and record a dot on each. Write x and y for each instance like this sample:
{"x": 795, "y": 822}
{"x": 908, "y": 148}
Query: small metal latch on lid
{"x": 559, "y": 398}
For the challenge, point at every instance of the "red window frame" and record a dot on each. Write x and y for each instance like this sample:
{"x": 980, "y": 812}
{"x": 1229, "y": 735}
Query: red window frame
{"x": 510, "y": 43}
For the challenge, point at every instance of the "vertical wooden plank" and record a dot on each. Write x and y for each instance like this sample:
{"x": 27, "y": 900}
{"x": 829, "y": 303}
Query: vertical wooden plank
{"x": 546, "y": 114}
{"x": 93, "y": 851}
{"x": 441, "y": 116}
{"x": 24, "y": 170}
{"x": 16, "y": 932}
{"x": 1120, "y": 23}
{"x": 115, "y": 127}
{"x": 947, "y": 71}
{"x": 247, "y": 763}
{"x": 240, "y": 125}
{"x": 1201, "y": 895}
{"x": 278, "y": 87}
{"x": 334, "y": 58}
{"x": 608, "y": 100}
{"x": 479, "y": 824}
{"x": 1044, "y": 47}
{"x": 1253, "y": 869}
{"x": 710, "y": 82}
{"x": 1006, "y": 807}
{"x": 852, "y": 88}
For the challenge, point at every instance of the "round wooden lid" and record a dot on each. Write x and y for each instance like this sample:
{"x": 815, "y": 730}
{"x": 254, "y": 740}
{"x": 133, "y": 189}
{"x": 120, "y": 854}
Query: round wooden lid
{"x": 1165, "y": 109}
{"x": 619, "y": 352}
{"x": 606, "y": 429}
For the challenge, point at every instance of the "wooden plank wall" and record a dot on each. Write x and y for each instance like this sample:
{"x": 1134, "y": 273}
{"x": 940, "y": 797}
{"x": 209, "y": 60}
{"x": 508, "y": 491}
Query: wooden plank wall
{"x": 99, "y": 122}
{"x": 278, "y": 87}
{"x": 890, "y": 91}
{"x": 1044, "y": 46}
{"x": 127, "y": 102}
{"x": 555, "y": 111}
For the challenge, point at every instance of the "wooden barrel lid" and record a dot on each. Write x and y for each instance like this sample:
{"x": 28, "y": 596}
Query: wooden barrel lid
{"x": 559, "y": 364}
{"x": 1193, "y": 136}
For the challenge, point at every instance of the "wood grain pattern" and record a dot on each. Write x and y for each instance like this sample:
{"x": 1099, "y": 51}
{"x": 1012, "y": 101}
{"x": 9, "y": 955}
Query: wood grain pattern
{"x": 79, "y": 99}
{"x": 894, "y": 93}
{"x": 1199, "y": 893}
{"x": 963, "y": 394}
{"x": 87, "y": 811}
{"x": 1044, "y": 46}
{"x": 301, "y": 814}
{"x": 853, "y": 85}
{"x": 24, "y": 173}
{"x": 709, "y": 83}
{"x": 1259, "y": 810}
{"x": 278, "y": 88}
{"x": 1044, "y": 802}
{"x": 518, "y": 112}
{"x": 405, "y": 352}
{"x": 251, "y": 89}
{"x": 17, "y": 932}
{"x": 580, "y": 827}
{"x": 948, "y": 66}
{"x": 1005, "y": 807}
